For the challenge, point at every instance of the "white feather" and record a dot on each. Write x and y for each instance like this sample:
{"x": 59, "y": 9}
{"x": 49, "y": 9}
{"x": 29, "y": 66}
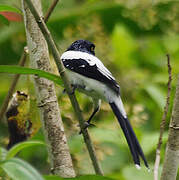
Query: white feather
{"x": 95, "y": 89}
{"x": 120, "y": 105}
{"x": 137, "y": 166}
{"x": 90, "y": 87}
{"x": 91, "y": 59}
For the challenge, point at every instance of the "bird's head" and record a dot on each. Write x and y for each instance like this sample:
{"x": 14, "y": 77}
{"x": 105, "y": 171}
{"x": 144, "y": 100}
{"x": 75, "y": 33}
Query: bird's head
{"x": 82, "y": 45}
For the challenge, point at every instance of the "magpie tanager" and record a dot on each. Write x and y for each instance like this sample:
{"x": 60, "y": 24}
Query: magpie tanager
{"x": 88, "y": 75}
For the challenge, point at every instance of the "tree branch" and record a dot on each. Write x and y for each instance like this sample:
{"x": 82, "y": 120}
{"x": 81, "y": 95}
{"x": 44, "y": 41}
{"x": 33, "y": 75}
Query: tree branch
{"x": 163, "y": 122}
{"x": 72, "y": 97}
{"x": 50, "y": 10}
{"x": 171, "y": 162}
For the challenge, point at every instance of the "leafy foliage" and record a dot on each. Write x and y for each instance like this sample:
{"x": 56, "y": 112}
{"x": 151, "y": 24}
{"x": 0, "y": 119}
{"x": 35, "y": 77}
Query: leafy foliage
{"x": 9, "y": 8}
{"x": 132, "y": 39}
{"x": 18, "y": 147}
{"x": 37, "y": 72}
{"x": 18, "y": 169}
{"x": 4, "y": 20}
{"x": 9, "y": 13}
{"x": 15, "y": 167}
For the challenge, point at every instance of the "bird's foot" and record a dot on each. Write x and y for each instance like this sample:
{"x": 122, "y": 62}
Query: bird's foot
{"x": 73, "y": 89}
{"x": 86, "y": 125}
{"x": 72, "y": 92}
{"x": 64, "y": 91}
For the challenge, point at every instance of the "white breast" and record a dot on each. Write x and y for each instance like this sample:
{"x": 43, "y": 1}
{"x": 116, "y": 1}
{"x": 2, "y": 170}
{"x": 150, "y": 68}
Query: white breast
{"x": 93, "y": 87}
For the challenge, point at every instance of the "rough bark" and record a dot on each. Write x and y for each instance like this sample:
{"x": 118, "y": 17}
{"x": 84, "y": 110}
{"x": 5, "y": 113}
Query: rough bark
{"x": 60, "y": 158}
{"x": 171, "y": 162}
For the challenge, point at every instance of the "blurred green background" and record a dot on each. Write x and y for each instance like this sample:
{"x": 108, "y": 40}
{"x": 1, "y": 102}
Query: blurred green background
{"x": 132, "y": 39}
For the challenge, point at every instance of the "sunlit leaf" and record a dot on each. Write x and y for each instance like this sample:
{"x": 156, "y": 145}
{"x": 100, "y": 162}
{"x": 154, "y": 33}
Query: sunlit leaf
{"x": 3, "y": 153}
{"x": 20, "y": 146}
{"x": 123, "y": 46}
{"x": 9, "y": 8}
{"x": 152, "y": 137}
{"x": 18, "y": 169}
{"x": 156, "y": 94}
{"x": 24, "y": 70}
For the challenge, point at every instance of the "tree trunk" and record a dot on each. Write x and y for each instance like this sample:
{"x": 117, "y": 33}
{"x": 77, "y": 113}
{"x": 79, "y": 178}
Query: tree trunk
{"x": 171, "y": 162}
{"x": 60, "y": 158}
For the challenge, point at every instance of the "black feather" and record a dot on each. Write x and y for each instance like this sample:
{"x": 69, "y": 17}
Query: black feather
{"x": 136, "y": 142}
{"x": 131, "y": 138}
{"x": 82, "y": 67}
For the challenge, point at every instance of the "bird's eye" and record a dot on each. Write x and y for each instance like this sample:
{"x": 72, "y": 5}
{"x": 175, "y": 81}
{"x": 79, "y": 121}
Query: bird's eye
{"x": 92, "y": 48}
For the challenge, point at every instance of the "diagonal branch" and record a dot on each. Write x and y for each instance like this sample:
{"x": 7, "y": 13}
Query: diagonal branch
{"x": 163, "y": 122}
{"x": 171, "y": 161}
{"x": 21, "y": 63}
{"x": 50, "y": 10}
{"x": 72, "y": 97}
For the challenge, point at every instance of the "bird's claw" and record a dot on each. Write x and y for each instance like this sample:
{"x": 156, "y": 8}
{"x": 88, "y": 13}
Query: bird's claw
{"x": 86, "y": 125}
{"x": 64, "y": 91}
{"x": 72, "y": 91}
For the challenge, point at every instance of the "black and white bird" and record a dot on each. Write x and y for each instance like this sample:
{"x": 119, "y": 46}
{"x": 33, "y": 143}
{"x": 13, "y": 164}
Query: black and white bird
{"x": 88, "y": 75}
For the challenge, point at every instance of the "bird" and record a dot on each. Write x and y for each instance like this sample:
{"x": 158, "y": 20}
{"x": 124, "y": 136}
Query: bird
{"x": 87, "y": 74}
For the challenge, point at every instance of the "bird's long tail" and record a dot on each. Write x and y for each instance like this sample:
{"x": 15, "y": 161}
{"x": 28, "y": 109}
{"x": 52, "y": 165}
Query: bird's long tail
{"x": 131, "y": 138}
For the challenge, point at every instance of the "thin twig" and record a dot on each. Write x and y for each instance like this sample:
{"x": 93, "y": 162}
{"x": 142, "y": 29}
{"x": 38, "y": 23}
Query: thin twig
{"x": 163, "y": 122}
{"x": 21, "y": 63}
{"x": 67, "y": 85}
{"x": 50, "y": 10}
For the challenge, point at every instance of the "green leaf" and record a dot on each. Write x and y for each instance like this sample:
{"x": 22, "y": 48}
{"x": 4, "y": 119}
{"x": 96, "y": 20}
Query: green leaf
{"x": 86, "y": 177}
{"x": 9, "y": 8}
{"x": 151, "y": 137}
{"x": 123, "y": 54}
{"x": 53, "y": 177}
{"x": 18, "y": 169}
{"x": 156, "y": 94}
{"x": 3, "y": 153}
{"x": 18, "y": 147}
{"x": 24, "y": 70}
{"x": 4, "y": 20}
{"x": 92, "y": 177}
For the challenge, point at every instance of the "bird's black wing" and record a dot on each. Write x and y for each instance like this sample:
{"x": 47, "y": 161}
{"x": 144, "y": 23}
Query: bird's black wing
{"x": 94, "y": 70}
